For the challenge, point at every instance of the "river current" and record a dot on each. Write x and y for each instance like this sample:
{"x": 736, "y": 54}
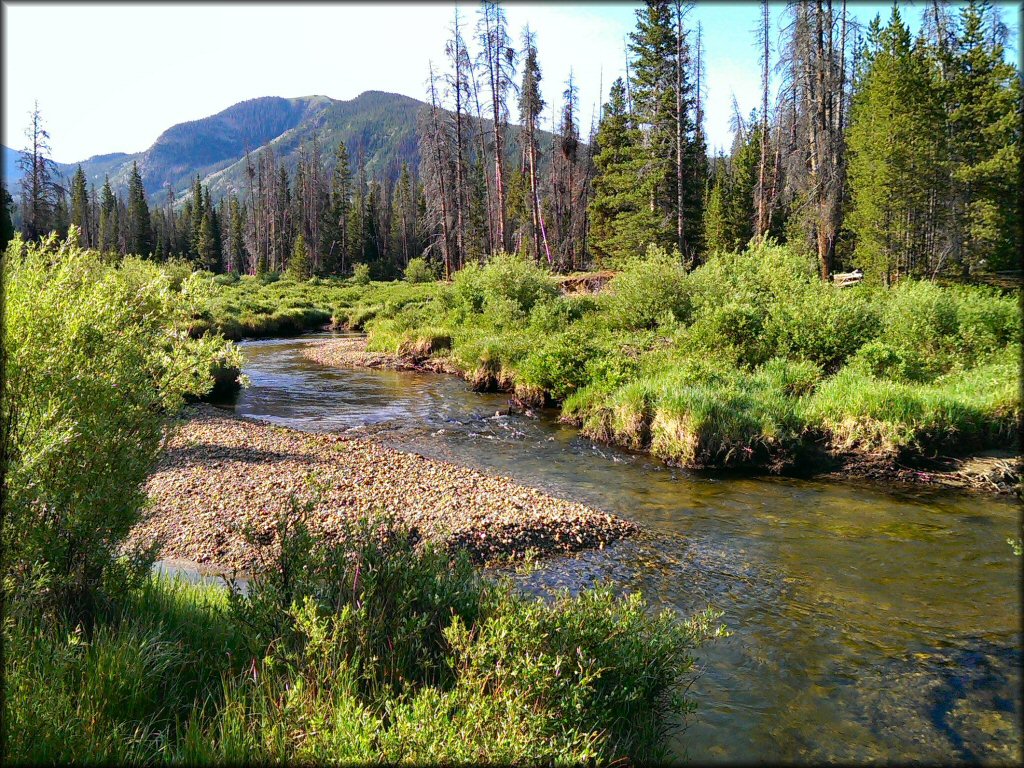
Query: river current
{"x": 868, "y": 623}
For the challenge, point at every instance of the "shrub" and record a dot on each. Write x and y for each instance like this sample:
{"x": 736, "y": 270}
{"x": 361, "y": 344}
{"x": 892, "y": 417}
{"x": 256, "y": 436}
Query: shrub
{"x": 361, "y": 274}
{"x": 93, "y": 361}
{"x": 228, "y": 278}
{"x": 506, "y": 278}
{"x": 649, "y": 291}
{"x": 418, "y": 271}
{"x": 559, "y": 364}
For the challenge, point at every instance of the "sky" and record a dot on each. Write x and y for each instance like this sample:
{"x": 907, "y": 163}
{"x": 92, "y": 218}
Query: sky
{"x": 115, "y": 76}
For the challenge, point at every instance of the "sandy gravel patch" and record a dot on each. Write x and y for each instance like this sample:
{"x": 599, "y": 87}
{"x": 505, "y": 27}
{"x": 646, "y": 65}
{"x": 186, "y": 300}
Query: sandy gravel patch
{"x": 218, "y": 472}
{"x": 352, "y": 353}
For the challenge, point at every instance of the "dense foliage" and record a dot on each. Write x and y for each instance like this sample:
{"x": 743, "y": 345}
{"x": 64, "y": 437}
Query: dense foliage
{"x": 366, "y": 650}
{"x": 95, "y": 356}
{"x": 747, "y": 360}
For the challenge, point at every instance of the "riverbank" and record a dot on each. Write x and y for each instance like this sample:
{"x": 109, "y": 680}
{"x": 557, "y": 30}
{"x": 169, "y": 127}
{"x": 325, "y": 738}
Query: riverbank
{"x": 218, "y": 473}
{"x": 988, "y": 472}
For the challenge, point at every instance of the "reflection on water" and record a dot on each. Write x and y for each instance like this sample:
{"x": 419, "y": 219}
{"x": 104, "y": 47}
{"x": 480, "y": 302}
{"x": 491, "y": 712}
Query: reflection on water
{"x": 867, "y": 624}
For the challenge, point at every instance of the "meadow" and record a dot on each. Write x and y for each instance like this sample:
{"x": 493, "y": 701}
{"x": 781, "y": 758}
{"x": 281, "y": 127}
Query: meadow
{"x": 747, "y": 361}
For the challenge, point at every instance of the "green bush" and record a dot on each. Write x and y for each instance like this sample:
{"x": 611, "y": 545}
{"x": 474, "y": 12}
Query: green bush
{"x": 93, "y": 362}
{"x": 559, "y": 363}
{"x": 507, "y": 280}
{"x": 650, "y": 291}
{"x": 418, "y": 271}
{"x": 361, "y": 274}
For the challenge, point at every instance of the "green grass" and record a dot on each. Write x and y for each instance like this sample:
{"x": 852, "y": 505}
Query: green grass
{"x": 747, "y": 360}
{"x": 249, "y": 307}
{"x": 374, "y": 651}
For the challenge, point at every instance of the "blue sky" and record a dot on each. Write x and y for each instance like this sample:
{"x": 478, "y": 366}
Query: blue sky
{"x": 124, "y": 73}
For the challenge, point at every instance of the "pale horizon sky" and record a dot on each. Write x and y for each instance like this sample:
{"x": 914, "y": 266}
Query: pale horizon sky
{"x": 128, "y": 72}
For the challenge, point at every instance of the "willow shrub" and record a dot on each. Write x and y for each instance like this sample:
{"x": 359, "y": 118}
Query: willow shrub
{"x": 367, "y": 649}
{"x": 95, "y": 356}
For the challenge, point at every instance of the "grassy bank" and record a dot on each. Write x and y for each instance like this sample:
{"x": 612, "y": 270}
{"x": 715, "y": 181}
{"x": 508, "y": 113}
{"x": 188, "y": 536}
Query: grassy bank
{"x": 747, "y": 361}
{"x": 374, "y": 650}
{"x": 251, "y": 307}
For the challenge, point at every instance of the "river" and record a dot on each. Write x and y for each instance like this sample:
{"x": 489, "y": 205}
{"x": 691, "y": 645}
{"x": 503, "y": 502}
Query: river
{"x": 867, "y": 623}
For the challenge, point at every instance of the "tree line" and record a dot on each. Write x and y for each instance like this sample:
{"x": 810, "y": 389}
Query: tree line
{"x": 891, "y": 152}
{"x": 894, "y": 153}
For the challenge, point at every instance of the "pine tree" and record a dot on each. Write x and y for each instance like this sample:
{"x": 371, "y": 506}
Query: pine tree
{"x": 239, "y": 257}
{"x": 895, "y": 154}
{"x": 196, "y": 220}
{"x": 985, "y": 135}
{"x": 108, "y": 213}
{"x": 6, "y": 224}
{"x": 299, "y": 265}
{"x": 80, "y": 207}
{"x": 621, "y": 219}
{"x": 715, "y": 224}
{"x": 337, "y": 229}
{"x": 357, "y": 227}
{"x": 140, "y": 233}
{"x": 61, "y": 214}
{"x": 213, "y": 256}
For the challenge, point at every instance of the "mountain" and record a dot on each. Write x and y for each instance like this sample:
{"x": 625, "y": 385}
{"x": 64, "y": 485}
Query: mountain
{"x": 381, "y": 125}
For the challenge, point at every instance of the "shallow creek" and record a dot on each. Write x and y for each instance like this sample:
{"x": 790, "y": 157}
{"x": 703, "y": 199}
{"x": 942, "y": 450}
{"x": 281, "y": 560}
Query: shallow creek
{"x": 868, "y": 623}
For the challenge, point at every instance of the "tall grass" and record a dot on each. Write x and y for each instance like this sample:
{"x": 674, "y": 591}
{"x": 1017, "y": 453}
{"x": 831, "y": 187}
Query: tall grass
{"x": 748, "y": 360}
{"x": 374, "y": 649}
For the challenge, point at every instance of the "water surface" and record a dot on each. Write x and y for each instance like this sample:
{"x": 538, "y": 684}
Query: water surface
{"x": 867, "y": 623}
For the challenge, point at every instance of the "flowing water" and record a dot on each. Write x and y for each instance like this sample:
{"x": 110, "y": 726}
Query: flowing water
{"x": 868, "y": 623}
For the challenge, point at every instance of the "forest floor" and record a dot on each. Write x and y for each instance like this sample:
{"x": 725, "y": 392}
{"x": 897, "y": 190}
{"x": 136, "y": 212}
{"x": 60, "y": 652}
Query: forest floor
{"x": 218, "y": 474}
{"x": 992, "y": 472}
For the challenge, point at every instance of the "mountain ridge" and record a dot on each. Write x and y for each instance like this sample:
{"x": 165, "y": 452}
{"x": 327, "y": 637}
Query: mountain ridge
{"x": 381, "y": 125}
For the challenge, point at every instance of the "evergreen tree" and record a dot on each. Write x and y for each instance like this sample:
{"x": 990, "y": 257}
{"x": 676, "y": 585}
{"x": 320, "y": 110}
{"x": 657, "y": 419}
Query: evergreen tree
{"x": 985, "y": 134}
{"x": 357, "y": 228}
{"x": 108, "y": 213}
{"x": 140, "y": 234}
{"x": 403, "y": 219}
{"x": 621, "y": 219}
{"x": 715, "y": 224}
{"x": 298, "y": 265}
{"x": 739, "y": 204}
{"x": 61, "y": 214}
{"x": 80, "y": 207}
{"x": 212, "y": 257}
{"x": 239, "y": 257}
{"x": 337, "y": 250}
{"x": 895, "y": 154}
{"x": 196, "y": 216}
{"x": 6, "y": 224}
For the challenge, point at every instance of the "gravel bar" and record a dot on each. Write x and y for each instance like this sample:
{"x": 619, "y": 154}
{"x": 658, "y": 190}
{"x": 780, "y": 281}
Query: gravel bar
{"x": 218, "y": 472}
{"x": 352, "y": 353}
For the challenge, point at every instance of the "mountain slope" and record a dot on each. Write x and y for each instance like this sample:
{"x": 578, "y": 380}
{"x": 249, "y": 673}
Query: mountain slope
{"x": 383, "y": 126}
